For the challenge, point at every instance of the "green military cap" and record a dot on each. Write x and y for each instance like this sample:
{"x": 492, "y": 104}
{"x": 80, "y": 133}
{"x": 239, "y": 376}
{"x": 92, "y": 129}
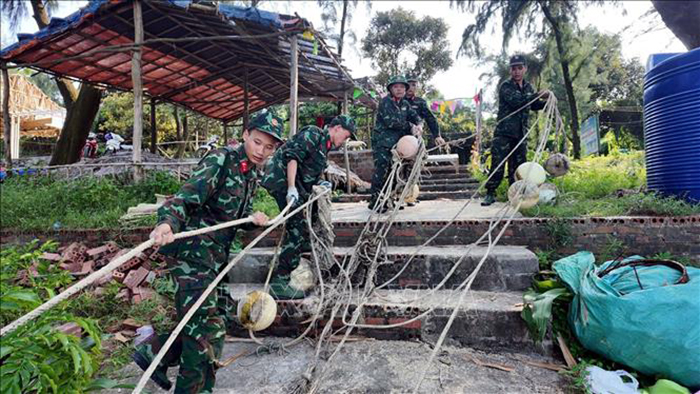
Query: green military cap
{"x": 411, "y": 78}
{"x": 268, "y": 123}
{"x": 517, "y": 60}
{"x": 347, "y": 123}
{"x": 397, "y": 79}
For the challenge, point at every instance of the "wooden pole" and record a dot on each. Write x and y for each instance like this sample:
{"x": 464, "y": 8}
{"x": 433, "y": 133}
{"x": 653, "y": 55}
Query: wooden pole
{"x": 138, "y": 88}
{"x": 6, "y": 122}
{"x": 154, "y": 136}
{"x": 225, "y": 134}
{"x": 294, "y": 88}
{"x": 348, "y": 185}
{"x": 246, "y": 100}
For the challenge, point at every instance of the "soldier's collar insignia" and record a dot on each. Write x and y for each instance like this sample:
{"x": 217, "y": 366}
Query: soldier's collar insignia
{"x": 245, "y": 166}
{"x": 328, "y": 144}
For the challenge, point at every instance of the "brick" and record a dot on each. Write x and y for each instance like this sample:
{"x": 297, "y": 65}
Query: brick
{"x": 142, "y": 294}
{"x": 414, "y": 325}
{"x": 51, "y": 256}
{"x": 130, "y": 264}
{"x": 98, "y": 251}
{"x": 112, "y": 247}
{"x": 130, "y": 324}
{"x": 104, "y": 280}
{"x": 118, "y": 276}
{"x": 70, "y": 329}
{"x": 135, "y": 277}
{"x": 73, "y": 267}
{"x": 87, "y": 267}
{"x": 123, "y": 295}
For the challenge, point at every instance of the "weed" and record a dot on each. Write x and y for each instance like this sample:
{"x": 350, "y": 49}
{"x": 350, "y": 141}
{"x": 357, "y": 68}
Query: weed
{"x": 559, "y": 232}
{"x": 613, "y": 249}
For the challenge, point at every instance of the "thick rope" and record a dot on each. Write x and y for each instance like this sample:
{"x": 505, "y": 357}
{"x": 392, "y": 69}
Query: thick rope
{"x": 193, "y": 309}
{"x": 92, "y": 278}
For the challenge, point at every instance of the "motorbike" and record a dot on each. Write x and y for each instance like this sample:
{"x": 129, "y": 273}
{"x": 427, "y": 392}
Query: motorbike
{"x": 90, "y": 148}
{"x": 208, "y": 146}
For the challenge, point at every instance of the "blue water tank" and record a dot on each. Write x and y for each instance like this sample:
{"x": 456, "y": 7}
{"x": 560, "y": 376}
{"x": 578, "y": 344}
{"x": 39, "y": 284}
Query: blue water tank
{"x": 672, "y": 126}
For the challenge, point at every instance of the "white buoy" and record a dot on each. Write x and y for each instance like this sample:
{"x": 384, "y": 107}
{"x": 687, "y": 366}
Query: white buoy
{"x": 557, "y": 165}
{"x": 532, "y": 172}
{"x": 302, "y": 278}
{"x": 257, "y": 310}
{"x": 548, "y": 193}
{"x": 529, "y": 195}
{"x": 407, "y": 147}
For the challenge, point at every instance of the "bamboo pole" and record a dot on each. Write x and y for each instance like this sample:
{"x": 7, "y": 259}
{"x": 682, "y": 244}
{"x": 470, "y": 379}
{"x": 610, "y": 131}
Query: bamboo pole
{"x": 294, "y": 88}
{"x": 246, "y": 100}
{"x": 348, "y": 185}
{"x": 154, "y": 136}
{"x": 138, "y": 89}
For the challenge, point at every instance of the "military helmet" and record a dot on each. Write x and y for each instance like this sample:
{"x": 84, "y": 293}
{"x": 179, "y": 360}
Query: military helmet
{"x": 396, "y": 79}
{"x": 268, "y": 123}
{"x": 347, "y": 123}
{"x": 411, "y": 78}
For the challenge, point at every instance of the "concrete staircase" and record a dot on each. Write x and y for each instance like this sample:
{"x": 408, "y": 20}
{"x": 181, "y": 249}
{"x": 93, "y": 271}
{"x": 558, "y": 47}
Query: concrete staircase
{"x": 444, "y": 181}
{"x": 488, "y": 319}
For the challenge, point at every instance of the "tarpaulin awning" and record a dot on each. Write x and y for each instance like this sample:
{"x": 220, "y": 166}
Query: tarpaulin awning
{"x": 206, "y": 75}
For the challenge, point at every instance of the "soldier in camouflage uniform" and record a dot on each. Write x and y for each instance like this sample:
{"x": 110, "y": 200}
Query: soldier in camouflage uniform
{"x": 421, "y": 107}
{"x": 292, "y": 172}
{"x": 512, "y": 95}
{"x": 219, "y": 190}
{"x": 395, "y": 119}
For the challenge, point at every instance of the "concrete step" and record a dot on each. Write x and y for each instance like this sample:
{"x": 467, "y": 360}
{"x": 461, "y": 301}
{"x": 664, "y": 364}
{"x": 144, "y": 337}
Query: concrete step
{"x": 447, "y": 181}
{"x": 462, "y": 169}
{"x": 449, "y": 187}
{"x": 424, "y": 195}
{"x": 445, "y": 175}
{"x": 508, "y": 268}
{"x": 376, "y": 366}
{"x": 485, "y": 320}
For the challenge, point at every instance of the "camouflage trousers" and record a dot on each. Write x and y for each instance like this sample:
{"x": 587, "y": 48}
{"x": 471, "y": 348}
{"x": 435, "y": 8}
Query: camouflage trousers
{"x": 201, "y": 342}
{"x": 296, "y": 237}
{"x": 500, "y": 148}
{"x": 382, "y": 165}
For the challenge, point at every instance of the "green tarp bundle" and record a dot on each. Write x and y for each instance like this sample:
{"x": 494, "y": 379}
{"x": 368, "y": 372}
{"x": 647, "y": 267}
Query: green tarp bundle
{"x": 637, "y": 316}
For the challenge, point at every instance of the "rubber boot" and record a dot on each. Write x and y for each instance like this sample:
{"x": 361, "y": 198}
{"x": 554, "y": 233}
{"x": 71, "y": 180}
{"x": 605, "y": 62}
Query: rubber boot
{"x": 489, "y": 199}
{"x": 281, "y": 290}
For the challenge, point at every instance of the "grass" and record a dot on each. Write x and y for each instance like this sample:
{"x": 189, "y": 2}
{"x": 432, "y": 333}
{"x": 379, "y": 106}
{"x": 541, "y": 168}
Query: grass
{"x": 44, "y": 203}
{"x": 591, "y": 189}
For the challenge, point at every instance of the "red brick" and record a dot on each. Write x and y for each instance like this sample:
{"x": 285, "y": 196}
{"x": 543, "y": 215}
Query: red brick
{"x": 70, "y": 329}
{"x": 142, "y": 294}
{"x": 51, "y": 256}
{"x": 135, "y": 277}
{"x": 98, "y": 251}
{"x": 411, "y": 326}
{"x": 118, "y": 276}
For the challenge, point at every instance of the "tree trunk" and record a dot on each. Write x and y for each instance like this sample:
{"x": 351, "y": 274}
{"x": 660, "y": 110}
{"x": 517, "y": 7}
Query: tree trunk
{"x": 76, "y": 127}
{"x": 341, "y": 40}
{"x": 6, "y": 120}
{"x": 74, "y": 132}
{"x": 568, "y": 84}
{"x": 185, "y": 139}
{"x": 682, "y": 17}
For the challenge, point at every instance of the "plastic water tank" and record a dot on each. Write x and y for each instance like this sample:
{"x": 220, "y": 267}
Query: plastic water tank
{"x": 672, "y": 126}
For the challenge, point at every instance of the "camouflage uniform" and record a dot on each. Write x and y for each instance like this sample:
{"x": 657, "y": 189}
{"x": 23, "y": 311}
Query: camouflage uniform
{"x": 219, "y": 190}
{"x": 309, "y": 147}
{"x": 510, "y": 131}
{"x": 420, "y": 106}
{"x": 394, "y": 119}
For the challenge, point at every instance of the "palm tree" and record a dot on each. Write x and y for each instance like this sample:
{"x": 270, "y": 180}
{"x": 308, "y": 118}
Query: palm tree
{"x": 81, "y": 105}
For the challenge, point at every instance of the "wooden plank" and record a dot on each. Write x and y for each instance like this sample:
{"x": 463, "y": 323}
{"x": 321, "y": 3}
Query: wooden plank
{"x": 7, "y": 126}
{"x": 154, "y": 136}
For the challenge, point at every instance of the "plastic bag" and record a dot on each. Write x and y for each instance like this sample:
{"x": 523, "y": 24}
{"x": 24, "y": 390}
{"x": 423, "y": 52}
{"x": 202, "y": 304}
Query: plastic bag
{"x": 638, "y": 316}
{"x": 601, "y": 381}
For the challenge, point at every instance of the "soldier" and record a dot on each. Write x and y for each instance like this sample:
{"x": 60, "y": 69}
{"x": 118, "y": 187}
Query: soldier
{"x": 395, "y": 119}
{"x": 219, "y": 190}
{"x": 291, "y": 174}
{"x": 513, "y": 94}
{"x": 421, "y": 107}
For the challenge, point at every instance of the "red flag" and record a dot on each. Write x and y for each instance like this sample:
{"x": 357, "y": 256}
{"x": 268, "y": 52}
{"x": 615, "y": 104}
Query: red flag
{"x": 477, "y": 97}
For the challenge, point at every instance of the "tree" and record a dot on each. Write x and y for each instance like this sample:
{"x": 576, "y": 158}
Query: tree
{"x": 558, "y": 20}
{"x": 682, "y": 18}
{"x": 399, "y": 43}
{"x": 329, "y": 15}
{"x": 81, "y": 105}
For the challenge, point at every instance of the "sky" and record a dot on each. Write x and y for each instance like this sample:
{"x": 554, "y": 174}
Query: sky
{"x": 462, "y": 79}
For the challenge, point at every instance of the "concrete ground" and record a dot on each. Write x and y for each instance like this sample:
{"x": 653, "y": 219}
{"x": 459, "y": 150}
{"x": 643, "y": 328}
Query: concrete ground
{"x": 370, "y": 366}
{"x": 431, "y": 210}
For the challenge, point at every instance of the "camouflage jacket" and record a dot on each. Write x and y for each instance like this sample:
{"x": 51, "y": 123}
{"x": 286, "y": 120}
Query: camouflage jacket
{"x": 510, "y": 98}
{"x": 309, "y": 147}
{"x": 394, "y": 120}
{"x": 219, "y": 190}
{"x": 421, "y": 107}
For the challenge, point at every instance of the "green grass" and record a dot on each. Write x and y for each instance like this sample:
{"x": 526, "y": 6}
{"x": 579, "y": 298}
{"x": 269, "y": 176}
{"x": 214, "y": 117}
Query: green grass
{"x": 590, "y": 189}
{"x": 43, "y": 203}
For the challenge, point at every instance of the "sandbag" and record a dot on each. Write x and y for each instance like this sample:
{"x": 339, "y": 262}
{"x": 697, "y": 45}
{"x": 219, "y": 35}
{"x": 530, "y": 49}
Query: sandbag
{"x": 653, "y": 328}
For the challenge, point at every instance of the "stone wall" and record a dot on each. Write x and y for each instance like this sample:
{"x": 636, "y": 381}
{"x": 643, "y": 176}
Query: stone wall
{"x": 638, "y": 235}
{"x": 361, "y": 162}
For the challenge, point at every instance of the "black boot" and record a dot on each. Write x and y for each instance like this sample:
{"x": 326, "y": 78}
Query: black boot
{"x": 489, "y": 199}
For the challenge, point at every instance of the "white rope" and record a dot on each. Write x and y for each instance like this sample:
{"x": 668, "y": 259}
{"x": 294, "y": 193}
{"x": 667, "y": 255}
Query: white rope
{"x": 92, "y": 278}
{"x": 193, "y": 309}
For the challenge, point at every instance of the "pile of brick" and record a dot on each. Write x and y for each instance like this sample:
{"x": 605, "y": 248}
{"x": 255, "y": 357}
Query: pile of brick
{"x": 136, "y": 273}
